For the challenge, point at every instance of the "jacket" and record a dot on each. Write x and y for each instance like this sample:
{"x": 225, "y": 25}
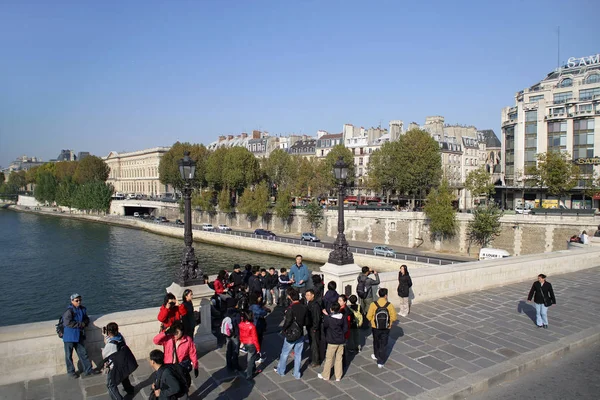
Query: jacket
{"x": 272, "y": 281}
{"x": 538, "y": 292}
{"x": 319, "y": 289}
{"x": 369, "y": 283}
{"x": 348, "y": 316}
{"x": 315, "y": 315}
{"x": 185, "y": 348}
{"x": 380, "y": 303}
{"x": 167, "y": 383}
{"x": 254, "y": 284}
{"x": 169, "y": 315}
{"x": 189, "y": 320}
{"x": 236, "y": 318}
{"x": 248, "y": 334}
{"x": 297, "y": 311}
{"x": 330, "y": 297}
{"x": 259, "y": 314}
{"x": 299, "y": 274}
{"x": 284, "y": 282}
{"x": 119, "y": 359}
{"x": 335, "y": 328}
{"x": 236, "y": 279}
{"x": 219, "y": 287}
{"x": 404, "y": 284}
{"x": 75, "y": 319}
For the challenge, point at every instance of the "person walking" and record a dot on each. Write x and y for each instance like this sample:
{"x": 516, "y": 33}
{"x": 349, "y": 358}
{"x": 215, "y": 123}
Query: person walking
{"x": 119, "y": 360}
{"x": 299, "y": 275}
{"x": 189, "y": 320}
{"x": 170, "y": 311}
{"x": 404, "y": 285}
{"x": 295, "y": 319}
{"x": 75, "y": 319}
{"x": 314, "y": 327}
{"x": 232, "y": 333}
{"x": 249, "y": 339}
{"x": 179, "y": 348}
{"x": 543, "y": 296}
{"x": 336, "y": 327}
{"x": 365, "y": 285}
{"x": 382, "y": 315}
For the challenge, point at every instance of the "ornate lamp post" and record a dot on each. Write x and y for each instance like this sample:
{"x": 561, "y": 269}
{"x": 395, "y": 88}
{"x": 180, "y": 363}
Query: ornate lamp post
{"x": 340, "y": 254}
{"x": 189, "y": 264}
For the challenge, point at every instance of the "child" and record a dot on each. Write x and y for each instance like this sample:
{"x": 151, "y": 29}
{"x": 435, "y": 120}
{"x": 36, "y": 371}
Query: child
{"x": 353, "y": 343}
{"x": 331, "y": 296}
{"x": 249, "y": 340}
{"x": 260, "y": 322}
{"x": 263, "y": 282}
{"x": 335, "y": 329}
{"x": 284, "y": 284}
{"x": 272, "y": 291}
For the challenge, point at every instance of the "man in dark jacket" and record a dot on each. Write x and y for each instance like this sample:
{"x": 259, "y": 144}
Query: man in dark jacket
{"x": 272, "y": 292}
{"x": 166, "y": 386}
{"x": 75, "y": 319}
{"x": 254, "y": 283}
{"x": 233, "y": 342}
{"x": 369, "y": 285}
{"x": 314, "y": 327}
{"x": 237, "y": 278}
{"x": 336, "y": 326}
{"x": 119, "y": 360}
{"x": 296, "y": 318}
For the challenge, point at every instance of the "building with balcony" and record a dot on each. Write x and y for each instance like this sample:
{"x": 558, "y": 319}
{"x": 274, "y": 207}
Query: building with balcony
{"x": 137, "y": 172}
{"x": 558, "y": 113}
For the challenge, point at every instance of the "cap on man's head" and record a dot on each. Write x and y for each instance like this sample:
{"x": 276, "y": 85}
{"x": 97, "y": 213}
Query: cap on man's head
{"x": 74, "y": 296}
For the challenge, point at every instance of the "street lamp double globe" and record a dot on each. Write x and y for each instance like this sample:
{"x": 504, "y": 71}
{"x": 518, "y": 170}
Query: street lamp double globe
{"x": 189, "y": 273}
{"x": 340, "y": 254}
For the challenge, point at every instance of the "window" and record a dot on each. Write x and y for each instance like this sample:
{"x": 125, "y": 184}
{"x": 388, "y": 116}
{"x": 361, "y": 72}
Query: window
{"x": 583, "y": 142}
{"x": 567, "y": 82}
{"x": 558, "y": 111}
{"x": 589, "y": 94}
{"x": 557, "y": 136}
{"x": 512, "y": 115}
{"x": 536, "y": 98}
{"x": 585, "y": 107}
{"x": 593, "y": 78}
{"x": 563, "y": 97}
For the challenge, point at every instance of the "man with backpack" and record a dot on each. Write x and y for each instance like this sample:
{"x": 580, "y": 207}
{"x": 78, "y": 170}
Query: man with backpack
{"x": 230, "y": 329}
{"x": 170, "y": 383}
{"x": 365, "y": 285}
{"x": 119, "y": 360}
{"x": 296, "y": 318}
{"x": 381, "y": 315}
{"x": 72, "y": 329}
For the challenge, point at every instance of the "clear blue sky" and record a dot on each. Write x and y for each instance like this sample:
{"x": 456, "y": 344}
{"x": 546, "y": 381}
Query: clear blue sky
{"x": 126, "y": 75}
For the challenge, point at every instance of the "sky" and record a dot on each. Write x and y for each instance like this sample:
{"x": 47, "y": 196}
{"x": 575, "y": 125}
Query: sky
{"x": 103, "y": 76}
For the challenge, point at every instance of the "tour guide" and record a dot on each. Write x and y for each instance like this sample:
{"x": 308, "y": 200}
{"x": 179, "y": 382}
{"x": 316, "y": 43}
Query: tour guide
{"x": 75, "y": 319}
{"x": 299, "y": 275}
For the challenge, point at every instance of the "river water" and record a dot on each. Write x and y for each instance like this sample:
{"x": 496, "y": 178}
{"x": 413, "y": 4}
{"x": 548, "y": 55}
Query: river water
{"x": 44, "y": 259}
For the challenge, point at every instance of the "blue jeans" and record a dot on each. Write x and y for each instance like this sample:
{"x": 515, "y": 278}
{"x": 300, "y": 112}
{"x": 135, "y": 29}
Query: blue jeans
{"x": 81, "y": 353}
{"x": 541, "y": 314}
{"x": 233, "y": 353}
{"x": 273, "y": 297}
{"x": 297, "y": 346}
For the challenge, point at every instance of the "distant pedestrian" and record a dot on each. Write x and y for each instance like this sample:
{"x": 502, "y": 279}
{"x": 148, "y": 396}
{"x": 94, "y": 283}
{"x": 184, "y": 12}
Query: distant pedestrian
{"x": 585, "y": 239}
{"x": 272, "y": 280}
{"x": 75, "y": 320}
{"x": 404, "y": 285}
{"x": 365, "y": 286}
{"x": 382, "y": 315}
{"x": 331, "y": 296}
{"x": 295, "y": 319}
{"x": 119, "y": 361}
{"x": 231, "y": 330}
{"x": 284, "y": 284}
{"x": 170, "y": 311}
{"x": 543, "y": 296}
{"x": 179, "y": 348}
{"x": 314, "y": 327}
{"x": 249, "y": 339}
{"x": 299, "y": 275}
{"x": 335, "y": 330}
{"x": 222, "y": 285}
{"x": 189, "y": 320}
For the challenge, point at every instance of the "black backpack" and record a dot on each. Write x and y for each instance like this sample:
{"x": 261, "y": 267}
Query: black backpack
{"x": 361, "y": 289}
{"x": 183, "y": 378}
{"x": 382, "y": 316}
{"x": 60, "y": 328}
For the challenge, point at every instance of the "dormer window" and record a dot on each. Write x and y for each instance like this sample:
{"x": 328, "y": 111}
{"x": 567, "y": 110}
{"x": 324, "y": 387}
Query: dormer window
{"x": 567, "y": 82}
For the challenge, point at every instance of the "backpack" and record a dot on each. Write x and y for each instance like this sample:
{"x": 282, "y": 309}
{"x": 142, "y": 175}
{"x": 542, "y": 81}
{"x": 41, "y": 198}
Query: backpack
{"x": 382, "y": 316}
{"x": 361, "y": 289}
{"x": 183, "y": 378}
{"x": 60, "y": 328}
{"x": 358, "y": 317}
{"x": 294, "y": 332}
{"x": 227, "y": 327}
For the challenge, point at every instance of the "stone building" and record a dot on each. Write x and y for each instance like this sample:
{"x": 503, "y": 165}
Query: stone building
{"x": 326, "y": 141}
{"x": 306, "y": 147}
{"x": 137, "y": 172}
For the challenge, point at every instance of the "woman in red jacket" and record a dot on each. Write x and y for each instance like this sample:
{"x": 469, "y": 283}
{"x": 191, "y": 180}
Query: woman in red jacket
{"x": 249, "y": 338}
{"x": 220, "y": 284}
{"x": 170, "y": 311}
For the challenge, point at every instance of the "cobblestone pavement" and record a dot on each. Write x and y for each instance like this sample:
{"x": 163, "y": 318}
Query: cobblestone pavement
{"x": 439, "y": 342}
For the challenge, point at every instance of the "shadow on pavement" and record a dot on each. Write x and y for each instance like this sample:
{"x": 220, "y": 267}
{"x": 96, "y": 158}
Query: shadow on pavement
{"x": 528, "y": 309}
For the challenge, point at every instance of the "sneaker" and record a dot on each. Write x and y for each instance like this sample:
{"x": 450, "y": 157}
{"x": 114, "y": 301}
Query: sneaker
{"x": 260, "y": 361}
{"x": 337, "y": 380}
{"x": 379, "y": 366}
{"x": 319, "y": 376}
{"x": 243, "y": 350}
{"x": 74, "y": 375}
{"x": 373, "y": 357}
{"x": 315, "y": 365}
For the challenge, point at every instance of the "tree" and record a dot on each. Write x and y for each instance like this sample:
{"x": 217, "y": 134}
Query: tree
{"x": 419, "y": 166}
{"x": 204, "y": 200}
{"x": 441, "y": 213}
{"x": 2, "y": 178}
{"x": 590, "y": 185}
{"x": 45, "y": 188}
{"x": 485, "y": 224}
{"x": 479, "y": 183}
{"x": 93, "y": 196}
{"x": 224, "y": 201}
{"x": 279, "y": 169}
{"x": 383, "y": 170}
{"x": 17, "y": 180}
{"x": 65, "y": 170}
{"x": 336, "y": 152}
{"x": 65, "y": 193}
{"x": 168, "y": 168}
{"x": 314, "y": 215}
{"x": 555, "y": 172}
{"x": 214, "y": 168}
{"x": 240, "y": 169}
{"x": 283, "y": 206}
{"x": 91, "y": 169}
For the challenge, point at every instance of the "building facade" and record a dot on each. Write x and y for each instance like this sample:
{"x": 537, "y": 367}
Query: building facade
{"x": 137, "y": 172}
{"x": 558, "y": 113}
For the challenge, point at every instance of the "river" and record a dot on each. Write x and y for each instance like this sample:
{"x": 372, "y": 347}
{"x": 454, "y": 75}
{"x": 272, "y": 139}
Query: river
{"x": 44, "y": 259}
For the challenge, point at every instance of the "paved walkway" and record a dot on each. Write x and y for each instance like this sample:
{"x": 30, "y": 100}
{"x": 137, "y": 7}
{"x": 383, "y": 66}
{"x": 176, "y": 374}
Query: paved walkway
{"x": 440, "y": 342}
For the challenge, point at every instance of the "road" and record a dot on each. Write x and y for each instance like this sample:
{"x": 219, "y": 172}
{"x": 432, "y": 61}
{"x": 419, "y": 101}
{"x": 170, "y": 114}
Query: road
{"x": 574, "y": 376}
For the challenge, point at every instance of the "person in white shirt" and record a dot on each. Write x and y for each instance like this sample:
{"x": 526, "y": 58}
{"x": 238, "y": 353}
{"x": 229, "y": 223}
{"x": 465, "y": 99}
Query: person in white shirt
{"x": 584, "y": 238}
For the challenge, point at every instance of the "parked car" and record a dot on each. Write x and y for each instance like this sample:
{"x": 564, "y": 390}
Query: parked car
{"x": 157, "y": 220}
{"x": 136, "y": 214}
{"x": 521, "y": 210}
{"x": 307, "y": 236}
{"x": 383, "y": 251}
{"x": 178, "y": 222}
{"x": 264, "y": 232}
{"x": 163, "y": 219}
{"x": 223, "y": 227}
{"x": 208, "y": 227}
{"x": 145, "y": 216}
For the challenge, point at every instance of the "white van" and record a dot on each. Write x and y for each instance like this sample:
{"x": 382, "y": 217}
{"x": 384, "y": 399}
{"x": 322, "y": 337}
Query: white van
{"x": 488, "y": 253}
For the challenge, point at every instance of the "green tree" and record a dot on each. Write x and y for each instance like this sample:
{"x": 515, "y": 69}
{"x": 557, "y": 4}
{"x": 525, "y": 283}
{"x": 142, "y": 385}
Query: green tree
{"x": 17, "y": 180}
{"x": 91, "y": 169}
{"x": 214, "y": 168}
{"x": 479, "y": 183}
{"x": 224, "y": 202}
{"x": 383, "y": 173}
{"x": 419, "y": 163}
{"x": 204, "y": 200}
{"x": 64, "y": 170}
{"x": 2, "y": 178}
{"x": 168, "y": 168}
{"x": 283, "y": 206}
{"x": 336, "y": 152}
{"x": 45, "y": 188}
{"x": 441, "y": 213}
{"x": 93, "y": 196}
{"x": 279, "y": 169}
{"x": 240, "y": 169}
{"x": 314, "y": 215}
{"x": 65, "y": 193}
{"x": 255, "y": 202}
{"x": 555, "y": 172}
{"x": 485, "y": 225}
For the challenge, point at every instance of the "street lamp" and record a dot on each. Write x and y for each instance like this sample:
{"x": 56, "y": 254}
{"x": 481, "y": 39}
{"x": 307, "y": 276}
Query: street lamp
{"x": 189, "y": 264}
{"x": 340, "y": 254}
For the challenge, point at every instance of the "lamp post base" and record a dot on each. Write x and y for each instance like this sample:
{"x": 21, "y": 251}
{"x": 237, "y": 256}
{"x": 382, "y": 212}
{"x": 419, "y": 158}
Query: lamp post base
{"x": 343, "y": 275}
{"x": 190, "y": 274}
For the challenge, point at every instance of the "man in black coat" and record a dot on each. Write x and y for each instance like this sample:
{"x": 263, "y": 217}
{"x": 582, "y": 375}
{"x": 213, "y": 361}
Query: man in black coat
{"x": 119, "y": 360}
{"x": 167, "y": 386}
{"x": 237, "y": 278}
{"x": 254, "y": 284}
{"x": 296, "y": 318}
{"x": 314, "y": 327}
